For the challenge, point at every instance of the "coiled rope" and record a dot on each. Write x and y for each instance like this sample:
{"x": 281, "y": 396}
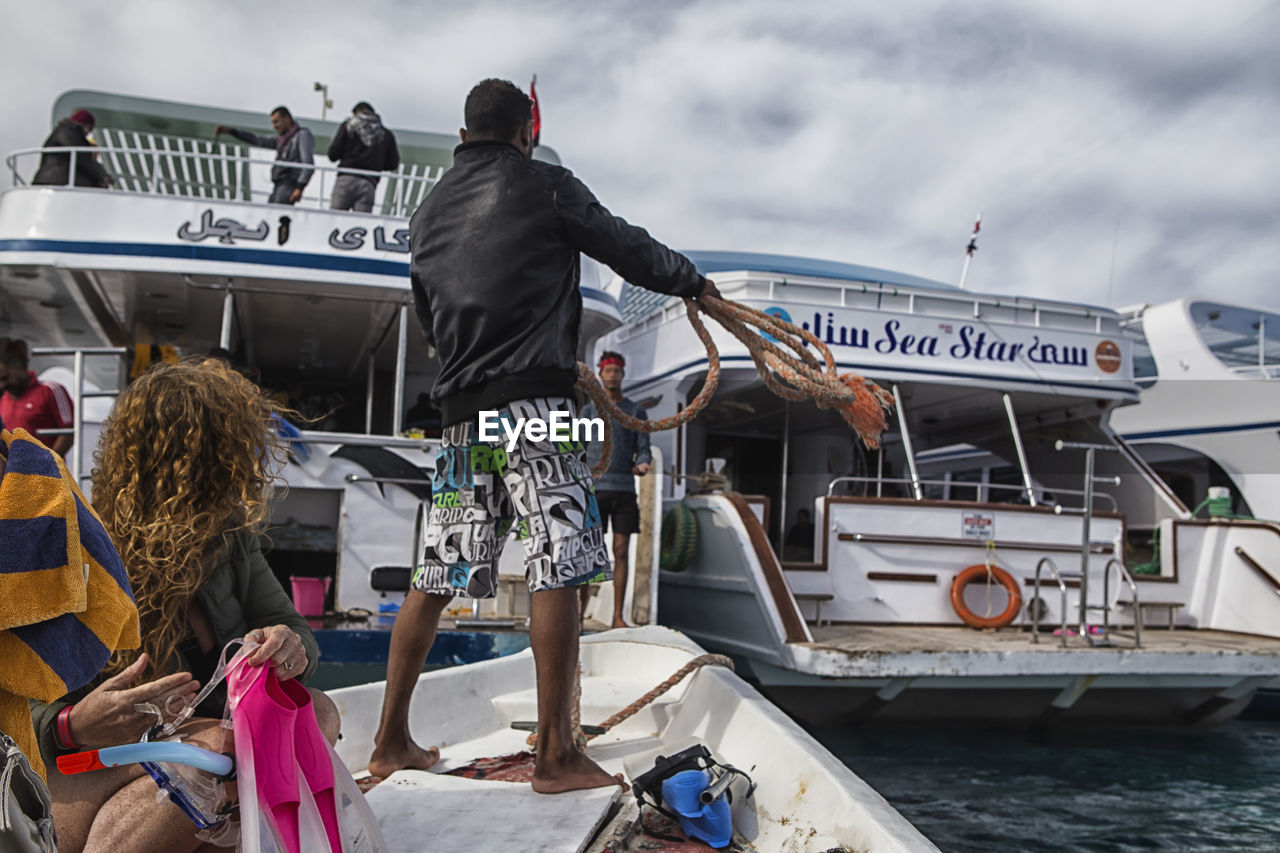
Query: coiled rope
{"x": 795, "y": 375}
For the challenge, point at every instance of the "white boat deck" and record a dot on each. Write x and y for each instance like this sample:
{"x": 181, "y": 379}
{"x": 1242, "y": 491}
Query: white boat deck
{"x": 806, "y": 799}
{"x": 522, "y": 820}
{"x": 895, "y": 651}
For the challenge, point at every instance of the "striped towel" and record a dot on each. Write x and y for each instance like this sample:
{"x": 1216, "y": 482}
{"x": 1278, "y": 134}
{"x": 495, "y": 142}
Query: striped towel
{"x": 65, "y": 602}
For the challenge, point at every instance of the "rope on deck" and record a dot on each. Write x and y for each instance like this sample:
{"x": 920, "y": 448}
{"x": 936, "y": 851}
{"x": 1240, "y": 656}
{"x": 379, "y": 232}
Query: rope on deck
{"x": 635, "y": 707}
{"x": 796, "y": 375}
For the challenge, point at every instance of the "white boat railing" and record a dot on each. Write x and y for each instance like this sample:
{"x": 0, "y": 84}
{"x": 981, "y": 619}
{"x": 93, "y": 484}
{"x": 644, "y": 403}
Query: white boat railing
{"x": 75, "y": 462}
{"x": 199, "y": 169}
{"x": 76, "y": 457}
{"x": 880, "y": 482}
{"x": 916, "y": 299}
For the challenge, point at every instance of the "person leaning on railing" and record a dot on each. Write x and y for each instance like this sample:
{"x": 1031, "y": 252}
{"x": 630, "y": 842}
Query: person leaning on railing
{"x": 294, "y": 144}
{"x": 55, "y": 169}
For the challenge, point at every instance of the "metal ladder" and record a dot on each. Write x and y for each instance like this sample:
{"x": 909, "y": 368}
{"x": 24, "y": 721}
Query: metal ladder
{"x": 1105, "y": 640}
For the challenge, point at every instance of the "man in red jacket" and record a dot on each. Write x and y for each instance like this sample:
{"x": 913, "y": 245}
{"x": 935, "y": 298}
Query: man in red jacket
{"x": 27, "y": 403}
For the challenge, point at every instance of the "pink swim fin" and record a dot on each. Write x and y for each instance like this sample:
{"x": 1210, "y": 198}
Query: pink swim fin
{"x": 264, "y": 716}
{"x": 312, "y": 751}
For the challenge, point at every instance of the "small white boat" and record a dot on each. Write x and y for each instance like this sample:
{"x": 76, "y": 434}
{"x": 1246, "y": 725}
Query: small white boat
{"x": 805, "y": 799}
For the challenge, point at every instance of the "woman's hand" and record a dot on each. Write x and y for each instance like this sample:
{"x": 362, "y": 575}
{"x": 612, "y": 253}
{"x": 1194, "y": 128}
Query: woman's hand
{"x": 283, "y": 648}
{"x": 106, "y": 716}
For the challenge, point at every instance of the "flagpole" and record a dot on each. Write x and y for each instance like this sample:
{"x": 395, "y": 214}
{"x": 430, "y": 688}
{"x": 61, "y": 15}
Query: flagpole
{"x": 536, "y": 112}
{"x": 970, "y": 249}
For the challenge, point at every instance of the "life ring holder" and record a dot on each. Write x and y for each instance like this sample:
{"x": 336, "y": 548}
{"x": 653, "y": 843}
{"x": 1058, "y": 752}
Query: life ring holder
{"x": 979, "y": 572}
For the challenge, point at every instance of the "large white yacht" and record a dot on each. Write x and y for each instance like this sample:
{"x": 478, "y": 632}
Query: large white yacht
{"x": 865, "y": 615}
{"x": 183, "y": 255}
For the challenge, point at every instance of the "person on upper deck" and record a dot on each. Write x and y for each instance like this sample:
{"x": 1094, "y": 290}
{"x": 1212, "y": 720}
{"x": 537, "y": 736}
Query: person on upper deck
{"x": 361, "y": 143}
{"x": 294, "y": 144}
{"x": 55, "y": 169}
{"x": 27, "y": 403}
{"x": 182, "y": 481}
{"x": 616, "y": 488}
{"x": 494, "y": 270}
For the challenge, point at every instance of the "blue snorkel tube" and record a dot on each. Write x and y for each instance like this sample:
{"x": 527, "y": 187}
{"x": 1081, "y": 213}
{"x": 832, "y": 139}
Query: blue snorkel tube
{"x": 149, "y": 754}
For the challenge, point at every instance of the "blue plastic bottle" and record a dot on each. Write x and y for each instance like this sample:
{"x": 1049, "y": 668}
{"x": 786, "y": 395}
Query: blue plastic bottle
{"x": 711, "y": 823}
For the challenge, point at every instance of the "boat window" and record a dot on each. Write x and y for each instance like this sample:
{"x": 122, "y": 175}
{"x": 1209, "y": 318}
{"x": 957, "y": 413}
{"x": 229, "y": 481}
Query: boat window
{"x": 1247, "y": 340}
{"x": 1145, "y": 370}
{"x": 1144, "y": 364}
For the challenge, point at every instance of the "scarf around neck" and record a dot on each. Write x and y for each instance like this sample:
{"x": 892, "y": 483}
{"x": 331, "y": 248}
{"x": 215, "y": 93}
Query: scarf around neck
{"x": 285, "y": 138}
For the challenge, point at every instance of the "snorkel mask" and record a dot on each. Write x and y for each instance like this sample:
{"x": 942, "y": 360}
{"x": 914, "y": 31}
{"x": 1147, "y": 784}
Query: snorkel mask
{"x": 192, "y": 778}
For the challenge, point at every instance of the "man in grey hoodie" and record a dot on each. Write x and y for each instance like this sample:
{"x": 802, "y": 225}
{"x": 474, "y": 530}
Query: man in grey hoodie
{"x": 361, "y": 143}
{"x": 294, "y": 144}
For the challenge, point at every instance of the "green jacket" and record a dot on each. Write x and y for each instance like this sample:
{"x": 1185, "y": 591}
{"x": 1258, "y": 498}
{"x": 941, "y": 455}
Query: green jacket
{"x": 241, "y": 594}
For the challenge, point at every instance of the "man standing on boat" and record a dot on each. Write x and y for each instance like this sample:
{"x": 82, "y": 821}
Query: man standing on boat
{"x": 616, "y": 488}
{"x": 361, "y": 143}
{"x": 494, "y": 267}
{"x": 55, "y": 169}
{"x": 294, "y": 144}
{"x": 27, "y": 403}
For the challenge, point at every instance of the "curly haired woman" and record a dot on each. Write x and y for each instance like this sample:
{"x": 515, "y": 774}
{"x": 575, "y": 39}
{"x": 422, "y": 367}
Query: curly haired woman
{"x": 182, "y": 480}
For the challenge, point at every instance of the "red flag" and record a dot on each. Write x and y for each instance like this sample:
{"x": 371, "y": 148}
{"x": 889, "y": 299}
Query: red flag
{"x": 537, "y": 114}
{"x": 973, "y": 240}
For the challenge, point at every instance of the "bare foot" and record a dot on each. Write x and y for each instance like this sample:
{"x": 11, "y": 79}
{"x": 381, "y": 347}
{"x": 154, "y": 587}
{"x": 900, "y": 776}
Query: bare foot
{"x": 388, "y": 759}
{"x": 619, "y": 622}
{"x": 574, "y": 773}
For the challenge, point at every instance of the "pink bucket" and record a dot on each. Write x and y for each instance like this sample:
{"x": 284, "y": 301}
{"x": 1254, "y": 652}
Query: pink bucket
{"x": 308, "y": 595}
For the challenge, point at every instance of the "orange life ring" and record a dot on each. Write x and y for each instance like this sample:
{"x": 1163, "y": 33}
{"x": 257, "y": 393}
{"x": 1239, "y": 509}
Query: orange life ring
{"x": 979, "y": 572}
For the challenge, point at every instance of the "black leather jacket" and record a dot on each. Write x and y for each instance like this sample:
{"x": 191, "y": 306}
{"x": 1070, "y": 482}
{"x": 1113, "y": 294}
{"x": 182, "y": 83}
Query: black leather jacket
{"x": 55, "y": 169}
{"x": 373, "y": 149}
{"x": 495, "y": 275}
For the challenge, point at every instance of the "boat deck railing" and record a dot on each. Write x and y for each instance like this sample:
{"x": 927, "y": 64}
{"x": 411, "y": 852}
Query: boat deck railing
{"x": 1037, "y": 611}
{"x": 908, "y": 485}
{"x": 76, "y": 459}
{"x": 79, "y": 454}
{"x": 181, "y": 167}
{"x": 1123, "y": 573}
{"x": 646, "y": 309}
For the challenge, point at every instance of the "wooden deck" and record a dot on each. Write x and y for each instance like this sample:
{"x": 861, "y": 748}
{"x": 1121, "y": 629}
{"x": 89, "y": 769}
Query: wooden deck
{"x": 889, "y": 639}
{"x": 894, "y": 651}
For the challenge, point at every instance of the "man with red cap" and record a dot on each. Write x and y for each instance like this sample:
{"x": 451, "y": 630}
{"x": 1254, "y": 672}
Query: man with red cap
{"x": 27, "y": 403}
{"x": 616, "y": 488}
{"x": 55, "y": 169}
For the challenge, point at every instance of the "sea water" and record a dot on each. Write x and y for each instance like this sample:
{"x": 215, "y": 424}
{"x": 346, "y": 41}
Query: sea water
{"x": 990, "y": 792}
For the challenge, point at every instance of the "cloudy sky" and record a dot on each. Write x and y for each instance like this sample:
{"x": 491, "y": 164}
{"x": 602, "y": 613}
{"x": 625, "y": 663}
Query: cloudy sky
{"x": 1120, "y": 151}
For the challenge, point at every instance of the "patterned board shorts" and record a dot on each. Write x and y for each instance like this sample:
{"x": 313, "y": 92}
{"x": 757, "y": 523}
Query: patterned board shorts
{"x": 481, "y": 491}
